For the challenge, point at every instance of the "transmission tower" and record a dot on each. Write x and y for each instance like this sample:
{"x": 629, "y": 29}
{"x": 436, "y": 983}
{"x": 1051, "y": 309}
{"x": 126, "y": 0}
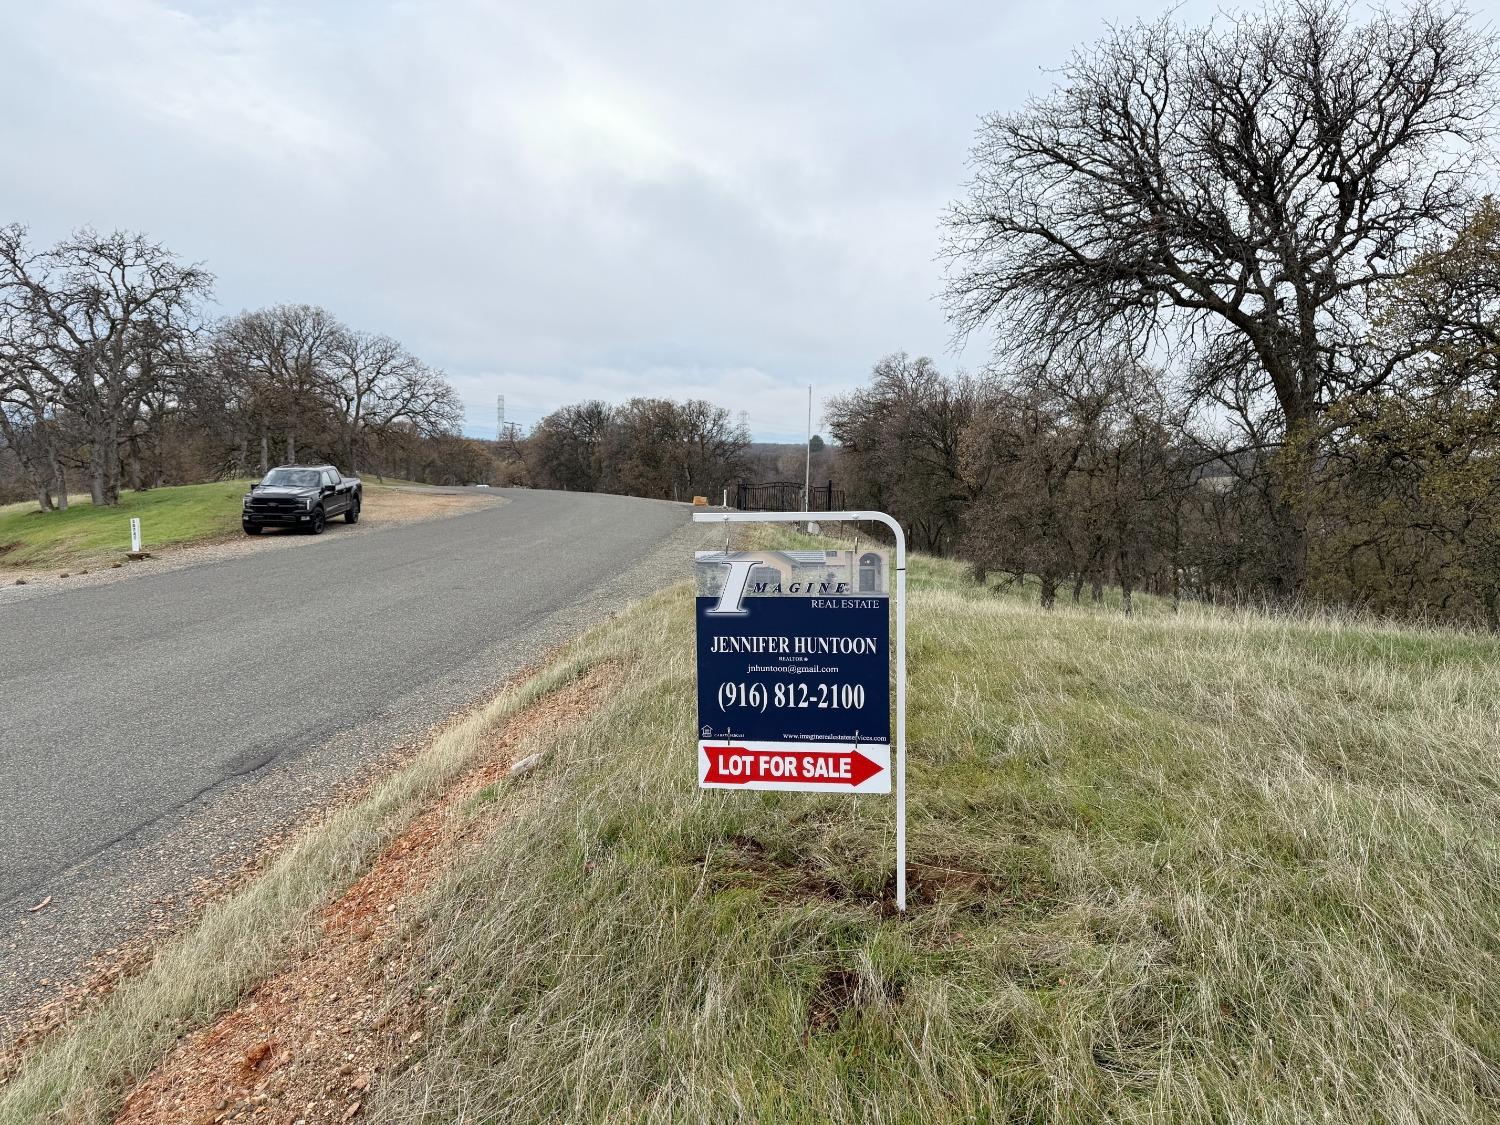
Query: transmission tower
{"x": 499, "y": 417}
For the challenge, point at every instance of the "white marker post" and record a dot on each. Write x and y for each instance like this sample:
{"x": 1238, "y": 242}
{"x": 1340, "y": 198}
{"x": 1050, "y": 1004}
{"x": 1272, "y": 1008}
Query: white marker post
{"x": 890, "y": 522}
{"x": 135, "y": 536}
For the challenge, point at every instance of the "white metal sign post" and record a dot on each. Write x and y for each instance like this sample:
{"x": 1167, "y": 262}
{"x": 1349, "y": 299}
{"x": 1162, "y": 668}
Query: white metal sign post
{"x": 824, "y": 767}
{"x": 135, "y": 536}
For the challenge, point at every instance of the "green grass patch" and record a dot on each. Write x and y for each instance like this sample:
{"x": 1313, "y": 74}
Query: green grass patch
{"x": 170, "y": 517}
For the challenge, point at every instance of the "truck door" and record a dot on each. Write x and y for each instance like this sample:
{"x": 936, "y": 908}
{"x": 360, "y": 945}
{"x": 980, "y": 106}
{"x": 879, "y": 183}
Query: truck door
{"x": 336, "y": 501}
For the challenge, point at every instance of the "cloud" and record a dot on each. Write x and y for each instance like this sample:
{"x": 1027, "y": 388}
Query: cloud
{"x": 549, "y": 201}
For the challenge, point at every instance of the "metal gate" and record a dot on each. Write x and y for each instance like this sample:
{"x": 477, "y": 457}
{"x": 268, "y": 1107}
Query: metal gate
{"x": 786, "y": 496}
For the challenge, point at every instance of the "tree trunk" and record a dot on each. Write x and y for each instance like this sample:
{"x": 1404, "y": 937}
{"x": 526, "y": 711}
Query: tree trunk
{"x": 1078, "y": 587}
{"x": 96, "y": 467}
{"x": 1294, "y": 480}
{"x": 265, "y": 452}
{"x": 135, "y": 466}
{"x": 291, "y": 448}
{"x": 1097, "y": 591}
{"x": 112, "y": 464}
{"x": 1049, "y": 590}
{"x": 1177, "y": 555}
{"x": 55, "y": 485}
{"x": 1127, "y": 583}
{"x": 1492, "y": 609}
{"x": 1291, "y": 550}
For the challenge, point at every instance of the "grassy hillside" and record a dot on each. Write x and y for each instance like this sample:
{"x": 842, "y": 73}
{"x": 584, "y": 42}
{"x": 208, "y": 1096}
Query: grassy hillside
{"x": 1207, "y": 868}
{"x": 169, "y": 517}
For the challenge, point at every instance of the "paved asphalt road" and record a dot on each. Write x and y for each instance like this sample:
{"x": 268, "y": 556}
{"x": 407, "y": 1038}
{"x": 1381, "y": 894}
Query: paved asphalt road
{"x": 129, "y": 704}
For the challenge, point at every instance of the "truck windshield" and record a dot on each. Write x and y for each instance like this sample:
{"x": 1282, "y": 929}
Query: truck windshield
{"x": 293, "y": 478}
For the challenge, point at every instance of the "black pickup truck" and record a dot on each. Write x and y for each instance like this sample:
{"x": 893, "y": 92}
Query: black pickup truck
{"x": 305, "y": 496}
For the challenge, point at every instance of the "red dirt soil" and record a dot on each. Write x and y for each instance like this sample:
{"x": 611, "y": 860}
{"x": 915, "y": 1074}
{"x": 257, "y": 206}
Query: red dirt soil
{"x": 308, "y": 1044}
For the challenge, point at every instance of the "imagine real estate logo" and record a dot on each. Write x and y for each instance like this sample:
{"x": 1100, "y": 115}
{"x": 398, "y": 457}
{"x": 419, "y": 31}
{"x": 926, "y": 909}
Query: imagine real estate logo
{"x": 737, "y": 584}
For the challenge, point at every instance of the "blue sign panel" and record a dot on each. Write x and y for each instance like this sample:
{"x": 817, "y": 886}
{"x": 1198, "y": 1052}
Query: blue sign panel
{"x": 794, "y": 670}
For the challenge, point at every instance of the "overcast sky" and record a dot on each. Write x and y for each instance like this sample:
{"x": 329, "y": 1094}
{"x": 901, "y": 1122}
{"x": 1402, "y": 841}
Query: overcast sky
{"x": 550, "y": 201}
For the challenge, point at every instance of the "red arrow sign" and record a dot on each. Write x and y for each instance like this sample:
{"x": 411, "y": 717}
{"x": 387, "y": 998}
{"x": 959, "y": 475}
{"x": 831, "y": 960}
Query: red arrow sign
{"x": 739, "y": 765}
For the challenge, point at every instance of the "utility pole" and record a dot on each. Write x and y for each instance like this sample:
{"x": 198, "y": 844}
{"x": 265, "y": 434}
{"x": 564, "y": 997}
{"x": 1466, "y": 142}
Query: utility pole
{"x": 807, "y": 474}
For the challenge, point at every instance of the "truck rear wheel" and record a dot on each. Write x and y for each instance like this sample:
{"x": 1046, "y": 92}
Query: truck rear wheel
{"x": 352, "y": 515}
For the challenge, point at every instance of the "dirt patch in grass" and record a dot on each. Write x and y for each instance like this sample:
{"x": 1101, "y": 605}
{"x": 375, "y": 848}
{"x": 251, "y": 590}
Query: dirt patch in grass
{"x": 309, "y": 1043}
{"x": 844, "y": 993}
{"x": 940, "y": 883}
{"x": 784, "y": 877}
{"x": 1026, "y": 892}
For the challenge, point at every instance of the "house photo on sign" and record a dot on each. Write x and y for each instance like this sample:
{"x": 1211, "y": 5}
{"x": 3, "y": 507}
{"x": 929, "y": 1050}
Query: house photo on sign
{"x": 794, "y": 662}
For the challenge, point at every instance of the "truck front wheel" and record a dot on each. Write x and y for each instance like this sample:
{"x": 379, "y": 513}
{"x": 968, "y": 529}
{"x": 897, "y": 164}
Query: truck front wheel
{"x": 319, "y": 522}
{"x": 352, "y": 514}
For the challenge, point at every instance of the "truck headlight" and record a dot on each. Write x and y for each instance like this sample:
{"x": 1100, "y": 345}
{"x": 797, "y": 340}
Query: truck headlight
{"x": 307, "y": 503}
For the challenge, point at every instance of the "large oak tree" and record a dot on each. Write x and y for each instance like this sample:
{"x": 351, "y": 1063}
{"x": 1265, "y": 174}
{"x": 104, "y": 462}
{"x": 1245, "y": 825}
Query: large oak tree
{"x": 1237, "y": 190}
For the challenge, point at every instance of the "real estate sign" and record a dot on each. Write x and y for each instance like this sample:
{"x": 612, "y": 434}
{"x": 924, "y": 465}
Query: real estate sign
{"x": 794, "y": 670}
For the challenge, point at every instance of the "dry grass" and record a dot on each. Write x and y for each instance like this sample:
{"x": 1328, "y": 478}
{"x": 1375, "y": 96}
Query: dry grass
{"x": 1217, "y": 867}
{"x": 1214, "y": 868}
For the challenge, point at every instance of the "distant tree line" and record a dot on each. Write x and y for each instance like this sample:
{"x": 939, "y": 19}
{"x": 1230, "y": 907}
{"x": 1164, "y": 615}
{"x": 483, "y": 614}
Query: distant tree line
{"x": 646, "y": 447}
{"x": 111, "y": 376}
{"x": 1244, "y": 287}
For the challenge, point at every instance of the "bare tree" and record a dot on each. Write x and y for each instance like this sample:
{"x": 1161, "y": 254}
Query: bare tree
{"x": 29, "y": 427}
{"x": 102, "y": 315}
{"x": 901, "y": 441}
{"x": 567, "y": 448}
{"x": 1243, "y": 186}
{"x": 28, "y": 409}
{"x": 376, "y": 383}
{"x": 287, "y": 354}
{"x": 1022, "y": 453}
{"x": 672, "y": 450}
{"x": 709, "y": 451}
